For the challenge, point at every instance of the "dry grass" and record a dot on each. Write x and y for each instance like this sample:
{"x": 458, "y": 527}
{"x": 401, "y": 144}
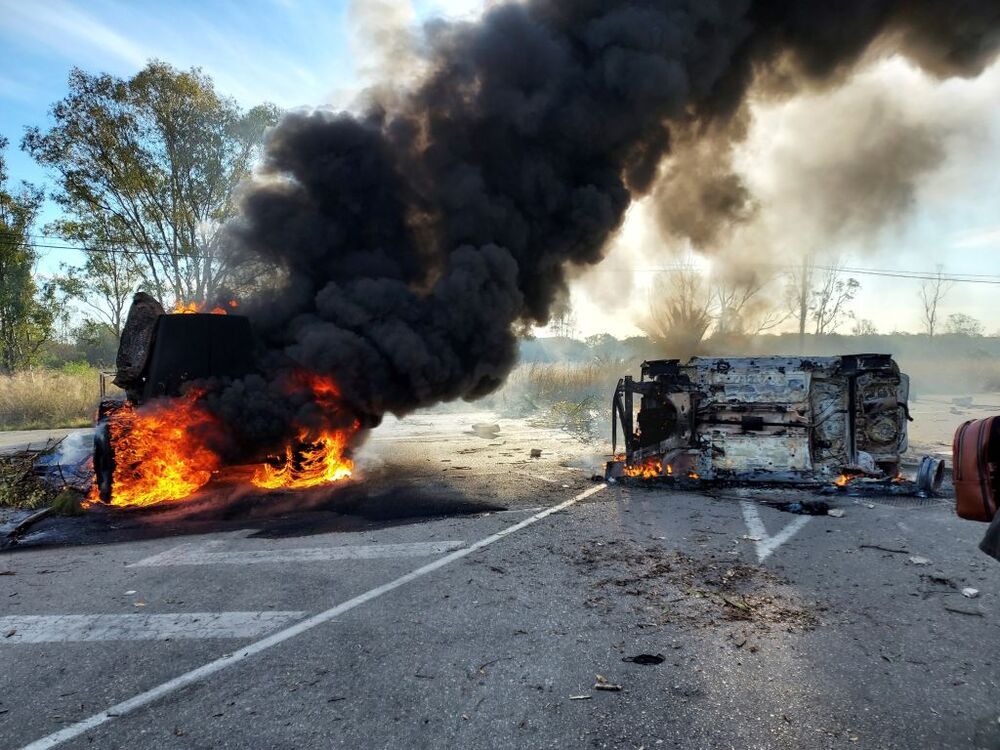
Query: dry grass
{"x": 574, "y": 397}
{"x": 534, "y": 386}
{"x": 47, "y": 399}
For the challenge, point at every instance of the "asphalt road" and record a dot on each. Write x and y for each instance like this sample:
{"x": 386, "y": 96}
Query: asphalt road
{"x": 458, "y": 596}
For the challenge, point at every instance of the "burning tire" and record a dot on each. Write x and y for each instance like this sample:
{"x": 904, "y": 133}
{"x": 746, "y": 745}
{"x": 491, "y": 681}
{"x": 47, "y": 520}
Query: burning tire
{"x": 104, "y": 454}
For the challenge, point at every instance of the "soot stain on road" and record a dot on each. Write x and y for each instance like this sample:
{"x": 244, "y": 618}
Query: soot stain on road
{"x": 358, "y": 506}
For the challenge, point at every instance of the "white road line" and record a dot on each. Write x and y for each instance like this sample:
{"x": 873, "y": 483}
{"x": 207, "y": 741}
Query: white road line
{"x": 63, "y": 628}
{"x": 197, "y": 554}
{"x": 764, "y": 543}
{"x": 200, "y": 673}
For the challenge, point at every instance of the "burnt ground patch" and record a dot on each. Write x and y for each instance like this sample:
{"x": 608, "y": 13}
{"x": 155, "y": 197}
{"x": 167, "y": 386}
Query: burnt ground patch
{"x": 353, "y": 506}
{"x": 693, "y": 592}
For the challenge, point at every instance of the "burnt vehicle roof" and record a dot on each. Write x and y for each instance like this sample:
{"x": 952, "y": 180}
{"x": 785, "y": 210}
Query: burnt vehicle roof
{"x": 846, "y": 363}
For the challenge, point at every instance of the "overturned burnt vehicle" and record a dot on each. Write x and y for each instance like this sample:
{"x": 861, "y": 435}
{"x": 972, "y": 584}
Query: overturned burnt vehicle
{"x": 763, "y": 419}
{"x": 158, "y": 354}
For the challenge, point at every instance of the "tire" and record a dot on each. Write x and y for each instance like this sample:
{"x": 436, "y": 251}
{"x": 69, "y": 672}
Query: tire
{"x": 104, "y": 454}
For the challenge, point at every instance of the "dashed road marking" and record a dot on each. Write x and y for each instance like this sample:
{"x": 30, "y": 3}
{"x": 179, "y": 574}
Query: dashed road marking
{"x": 201, "y": 554}
{"x": 764, "y": 543}
{"x": 200, "y": 673}
{"x": 17, "y": 629}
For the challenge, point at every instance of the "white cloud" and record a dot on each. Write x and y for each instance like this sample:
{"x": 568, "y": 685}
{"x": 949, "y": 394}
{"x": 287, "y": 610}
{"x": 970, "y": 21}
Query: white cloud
{"x": 69, "y": 31}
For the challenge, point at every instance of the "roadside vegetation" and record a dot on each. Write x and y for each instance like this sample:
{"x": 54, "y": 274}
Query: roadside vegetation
{"x": 49, "y": 398}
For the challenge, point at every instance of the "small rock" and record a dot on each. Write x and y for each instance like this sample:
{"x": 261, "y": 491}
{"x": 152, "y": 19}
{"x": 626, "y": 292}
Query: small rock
{"x": 835, "y": 512}
{"x": 916, "y": 560}
{"x": 970, "y": 593}
{"x": 536, "y": 452}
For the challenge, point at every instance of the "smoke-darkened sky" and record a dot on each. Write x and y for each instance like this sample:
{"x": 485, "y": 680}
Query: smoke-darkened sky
{"x": 304, "y": 53}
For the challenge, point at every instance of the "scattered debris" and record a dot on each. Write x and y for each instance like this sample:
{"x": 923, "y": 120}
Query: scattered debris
{"x": 884, "y": 549}
{"x": 970, "y": 612}
{"x": 645, "y": 659}
{"x": 940, "y": 579}
{"x": 835, "y": 512}
{"x": 917, "y": 560}
{"x": 18, "y": 531}
{"x": 806, "y": 507}
{"x": 970, "y": 593}
{"x": 603, "y": 684}
{"x": 677, "y": 587}
{"x": 579, "y": 697}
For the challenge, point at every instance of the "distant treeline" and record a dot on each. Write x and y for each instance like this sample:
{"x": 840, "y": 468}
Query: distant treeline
{"x": 946, "y": 363}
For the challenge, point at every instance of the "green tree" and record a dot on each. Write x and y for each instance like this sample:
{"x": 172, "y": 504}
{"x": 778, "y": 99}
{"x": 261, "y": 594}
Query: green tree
{"x": 27, "y": 313}
{"x": 151, "y": 164}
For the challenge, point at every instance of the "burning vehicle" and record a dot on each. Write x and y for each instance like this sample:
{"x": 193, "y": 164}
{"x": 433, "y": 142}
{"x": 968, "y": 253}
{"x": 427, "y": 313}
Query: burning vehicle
{"x": 162, "y": 442}
{"x": 762, "y": 419}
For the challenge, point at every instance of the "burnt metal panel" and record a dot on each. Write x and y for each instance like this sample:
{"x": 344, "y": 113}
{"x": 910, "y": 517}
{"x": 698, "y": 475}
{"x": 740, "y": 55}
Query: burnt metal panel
{"x": 197, "y": 345}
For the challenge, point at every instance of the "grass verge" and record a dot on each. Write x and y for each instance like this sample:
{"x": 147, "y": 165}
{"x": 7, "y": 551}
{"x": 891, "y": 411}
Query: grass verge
{"x": 48, "y": 399}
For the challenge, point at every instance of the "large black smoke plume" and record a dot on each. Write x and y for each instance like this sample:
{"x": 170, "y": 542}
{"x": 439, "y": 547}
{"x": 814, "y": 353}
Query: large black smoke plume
{"x": 412, "y": 240}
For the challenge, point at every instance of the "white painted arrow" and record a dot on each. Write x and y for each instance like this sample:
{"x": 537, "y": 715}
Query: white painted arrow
{"x": 764, "y": 542}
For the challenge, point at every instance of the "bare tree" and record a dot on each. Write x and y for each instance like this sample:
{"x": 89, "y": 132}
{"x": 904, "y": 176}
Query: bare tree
{"x": 562, "y": 319}
{"x": 932, "y": 291}
{"x": 829, "y": 300}
{"x": 679, "y": 311}
{"x": 740, "y": 307}
{"x": 800, "y": 287}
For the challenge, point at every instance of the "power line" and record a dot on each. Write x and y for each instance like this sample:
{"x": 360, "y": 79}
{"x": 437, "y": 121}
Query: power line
{"x": 959, "y": 278}
{"x": 88, "y": 249}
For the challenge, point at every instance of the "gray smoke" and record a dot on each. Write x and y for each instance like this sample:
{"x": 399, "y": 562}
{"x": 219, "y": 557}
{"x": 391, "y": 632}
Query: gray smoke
{"x": 412, "y": 240}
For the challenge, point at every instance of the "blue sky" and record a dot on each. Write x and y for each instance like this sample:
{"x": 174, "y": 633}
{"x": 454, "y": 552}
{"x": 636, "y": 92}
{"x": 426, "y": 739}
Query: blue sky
{"x": 291, "y": 53}
{"x": 299, "y": 53}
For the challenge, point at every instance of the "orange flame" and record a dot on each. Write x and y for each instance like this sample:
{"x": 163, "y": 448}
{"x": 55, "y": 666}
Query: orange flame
{"x": 842, "y": 480}
{"x": 651, "y": 467}
{"x": 318, "y": 457}
{"x": 159, "y": 450}
{"x": 199, "y": 307}
{"x": 318, "y": 461}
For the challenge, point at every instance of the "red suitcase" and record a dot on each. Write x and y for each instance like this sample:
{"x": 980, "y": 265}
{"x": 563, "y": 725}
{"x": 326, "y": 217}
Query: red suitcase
{"x": 975, "y": 455}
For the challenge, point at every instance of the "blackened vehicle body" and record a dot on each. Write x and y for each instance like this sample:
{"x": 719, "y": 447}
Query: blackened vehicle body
{"x": 763, "y": 418}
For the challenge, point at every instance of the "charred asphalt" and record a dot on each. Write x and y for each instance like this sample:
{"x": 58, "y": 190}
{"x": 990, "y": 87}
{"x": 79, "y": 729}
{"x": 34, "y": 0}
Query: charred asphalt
{"x": 439, "y": 604}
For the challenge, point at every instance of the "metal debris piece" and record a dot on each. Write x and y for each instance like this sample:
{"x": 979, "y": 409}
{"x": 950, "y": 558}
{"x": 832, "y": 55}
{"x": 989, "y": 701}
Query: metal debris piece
{"x": 835, "y": 512}
{"x": 645, "y": 659}
{"x": 603, "y": 684}
{"x": 970, "y": 593}
{"x": 930, "y": 474}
